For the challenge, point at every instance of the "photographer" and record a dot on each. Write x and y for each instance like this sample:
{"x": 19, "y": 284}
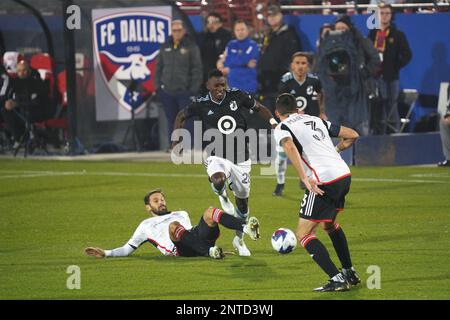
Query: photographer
{"x": 27, "y": 101}
{"x": 347, "y": 67}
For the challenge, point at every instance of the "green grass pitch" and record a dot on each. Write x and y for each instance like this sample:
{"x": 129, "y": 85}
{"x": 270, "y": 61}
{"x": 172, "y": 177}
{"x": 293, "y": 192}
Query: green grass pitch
{"x": 396, "y": 218}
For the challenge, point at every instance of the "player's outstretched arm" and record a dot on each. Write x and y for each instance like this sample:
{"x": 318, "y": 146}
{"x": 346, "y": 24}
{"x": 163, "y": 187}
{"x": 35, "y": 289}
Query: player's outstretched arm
{"x": 124, "y": 251}
{"x": 265, "y": 113}
{"x": 294, "y": 156}
{"x": 348, "y": 137}
{"x": 95, "y": 252}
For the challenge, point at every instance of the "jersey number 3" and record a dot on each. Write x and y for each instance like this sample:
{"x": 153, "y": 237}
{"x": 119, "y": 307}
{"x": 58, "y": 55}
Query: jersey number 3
{"x": 317, "y": 130}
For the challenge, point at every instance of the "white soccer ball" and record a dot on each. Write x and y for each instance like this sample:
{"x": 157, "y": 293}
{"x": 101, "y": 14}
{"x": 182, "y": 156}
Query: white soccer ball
{"x": 284, "y": 241}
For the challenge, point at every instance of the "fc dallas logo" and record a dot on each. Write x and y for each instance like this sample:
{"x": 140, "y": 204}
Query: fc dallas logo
{"x": 126, "y": 46}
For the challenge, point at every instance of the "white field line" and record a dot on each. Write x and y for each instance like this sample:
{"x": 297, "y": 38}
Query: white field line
{"x": 11, "y": 174}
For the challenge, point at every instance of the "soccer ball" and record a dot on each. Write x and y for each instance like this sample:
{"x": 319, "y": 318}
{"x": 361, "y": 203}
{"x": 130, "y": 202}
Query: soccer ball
{"x": 284, "y": 241}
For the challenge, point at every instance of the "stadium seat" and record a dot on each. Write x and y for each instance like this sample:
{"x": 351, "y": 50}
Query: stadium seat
{"x": 44, "y": 64}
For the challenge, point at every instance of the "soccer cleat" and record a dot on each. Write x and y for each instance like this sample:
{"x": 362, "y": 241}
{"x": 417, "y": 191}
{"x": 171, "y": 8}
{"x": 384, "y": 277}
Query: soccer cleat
{"x": 351, "y": 276}
{"x": 216, "y": 253}
{"x": 445, "y": 163}
{"x": 241, "y": 248}
{"x": 278, "y": 192}
{"x": 252, "y": 228}
{"x": 333, "y": 286}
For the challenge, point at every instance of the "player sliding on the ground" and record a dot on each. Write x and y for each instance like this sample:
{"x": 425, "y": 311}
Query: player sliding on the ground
{"x": 225, "y": 111}
{"x": 307, "y": 138}
{"x": 172, "y": 232}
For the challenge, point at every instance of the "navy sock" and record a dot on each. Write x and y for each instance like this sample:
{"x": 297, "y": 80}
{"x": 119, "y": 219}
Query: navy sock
{"x": 227, "y": 220}
{"x": 339, "y": 240}
{"x": 319, "y": 254}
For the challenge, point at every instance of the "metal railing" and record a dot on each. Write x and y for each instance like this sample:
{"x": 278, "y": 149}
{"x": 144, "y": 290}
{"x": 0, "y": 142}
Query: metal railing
{"x": 354, "y": 6}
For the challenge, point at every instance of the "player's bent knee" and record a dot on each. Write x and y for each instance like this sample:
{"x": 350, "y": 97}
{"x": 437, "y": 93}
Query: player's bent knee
{"x": 328, "y": 226}
{"x": 208, "y": 216}
{"x": 172, "y": 227}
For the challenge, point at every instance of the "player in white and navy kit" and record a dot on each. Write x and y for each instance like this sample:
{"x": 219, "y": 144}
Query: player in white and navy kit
{"x": 225, "y": 111}
{"x": 307, "y": 139}
{"x": 172, "y": 232}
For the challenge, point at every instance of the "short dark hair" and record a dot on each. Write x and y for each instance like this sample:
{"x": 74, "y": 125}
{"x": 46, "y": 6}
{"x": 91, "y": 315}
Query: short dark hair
{"x": 286, "y": 103}
{"x": 239, "y": 21}
{"x": 383, "y": 5}
{"x": 147, "y": 196}
{"x": 215, "y": 73}
{"x": 308, "y": 55}
{"x": 215, "y": 15}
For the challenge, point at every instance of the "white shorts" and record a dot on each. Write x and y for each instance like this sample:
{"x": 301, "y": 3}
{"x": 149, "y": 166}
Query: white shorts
{"x": 238, "y": 175}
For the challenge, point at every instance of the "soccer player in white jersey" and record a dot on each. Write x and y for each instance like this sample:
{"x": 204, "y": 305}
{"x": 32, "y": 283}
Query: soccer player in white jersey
{"x": 173, "y": 235}
{"x": 307, "y": 139}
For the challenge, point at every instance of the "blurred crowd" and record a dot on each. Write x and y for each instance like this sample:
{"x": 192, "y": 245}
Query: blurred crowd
{"x": 358, "y": 76}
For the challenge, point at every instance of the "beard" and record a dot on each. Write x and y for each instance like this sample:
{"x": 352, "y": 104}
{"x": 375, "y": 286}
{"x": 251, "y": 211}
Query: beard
{"x": 161, "y": 211}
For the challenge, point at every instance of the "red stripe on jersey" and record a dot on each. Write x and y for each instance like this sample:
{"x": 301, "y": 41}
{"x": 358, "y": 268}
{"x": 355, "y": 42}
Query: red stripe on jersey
{"x": 310, "y": 168}
{"x": 165, "y": 249}
{"x": 339, "y": 178}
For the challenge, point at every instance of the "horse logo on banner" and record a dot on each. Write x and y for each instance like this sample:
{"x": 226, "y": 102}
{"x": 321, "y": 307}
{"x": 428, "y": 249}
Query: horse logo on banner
{"x": 126, "y": 46}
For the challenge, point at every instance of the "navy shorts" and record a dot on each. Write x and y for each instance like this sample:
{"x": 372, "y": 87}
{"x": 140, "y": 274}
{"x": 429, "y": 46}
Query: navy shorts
{"x": 325, "y": 208}
{"x": 206, "y": 236}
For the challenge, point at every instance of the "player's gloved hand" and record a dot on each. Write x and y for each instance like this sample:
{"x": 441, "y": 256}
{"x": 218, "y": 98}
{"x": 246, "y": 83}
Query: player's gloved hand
{"x": 313, "y": 186}
{"x": 95, "y": 252}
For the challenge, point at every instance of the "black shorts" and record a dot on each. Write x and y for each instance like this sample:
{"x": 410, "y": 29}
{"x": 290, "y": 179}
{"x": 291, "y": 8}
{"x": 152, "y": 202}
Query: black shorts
{"x": 325, "y": 208}
{"x": 206, "y": 236}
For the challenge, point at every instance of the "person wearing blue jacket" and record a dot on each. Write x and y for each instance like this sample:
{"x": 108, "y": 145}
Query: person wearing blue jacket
{"x": 240, "y": 60}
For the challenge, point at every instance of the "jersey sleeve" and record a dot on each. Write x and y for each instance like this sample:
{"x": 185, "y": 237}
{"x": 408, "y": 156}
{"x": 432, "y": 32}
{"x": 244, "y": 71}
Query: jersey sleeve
{"x": 246, "y": 100}
{"x": 333, "y": 129}
{"x": 192, "y": 110}
{"x": 280, "y": 134}
{"x": 318, "y": 86}
{"x": 138, "y": 238}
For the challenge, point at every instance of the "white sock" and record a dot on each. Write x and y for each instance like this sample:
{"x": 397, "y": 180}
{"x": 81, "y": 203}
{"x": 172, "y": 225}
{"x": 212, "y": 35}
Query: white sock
{"x": 281, "y": 167}
{"x": 226, "y": 204}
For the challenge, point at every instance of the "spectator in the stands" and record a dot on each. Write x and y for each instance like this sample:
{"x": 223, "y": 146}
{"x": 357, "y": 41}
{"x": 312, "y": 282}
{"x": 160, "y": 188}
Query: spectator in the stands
{"x": 279, "y": 44}
{"x": 444, "y": 129}
{"x": 213, "y": 42}
{"x": 27, "y": 101}
{"x": 178, "y": 74}
{"x": 393, "y": 48}
{"x": 240, "y": 59}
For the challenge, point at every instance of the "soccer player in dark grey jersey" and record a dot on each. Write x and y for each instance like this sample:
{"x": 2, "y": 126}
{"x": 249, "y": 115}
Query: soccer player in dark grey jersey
{"x": 225, "y": 111}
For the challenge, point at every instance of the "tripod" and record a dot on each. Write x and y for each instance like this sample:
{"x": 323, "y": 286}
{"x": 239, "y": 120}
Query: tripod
{"x": 134, "y": 133}
{"x": 28, "y": 137}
